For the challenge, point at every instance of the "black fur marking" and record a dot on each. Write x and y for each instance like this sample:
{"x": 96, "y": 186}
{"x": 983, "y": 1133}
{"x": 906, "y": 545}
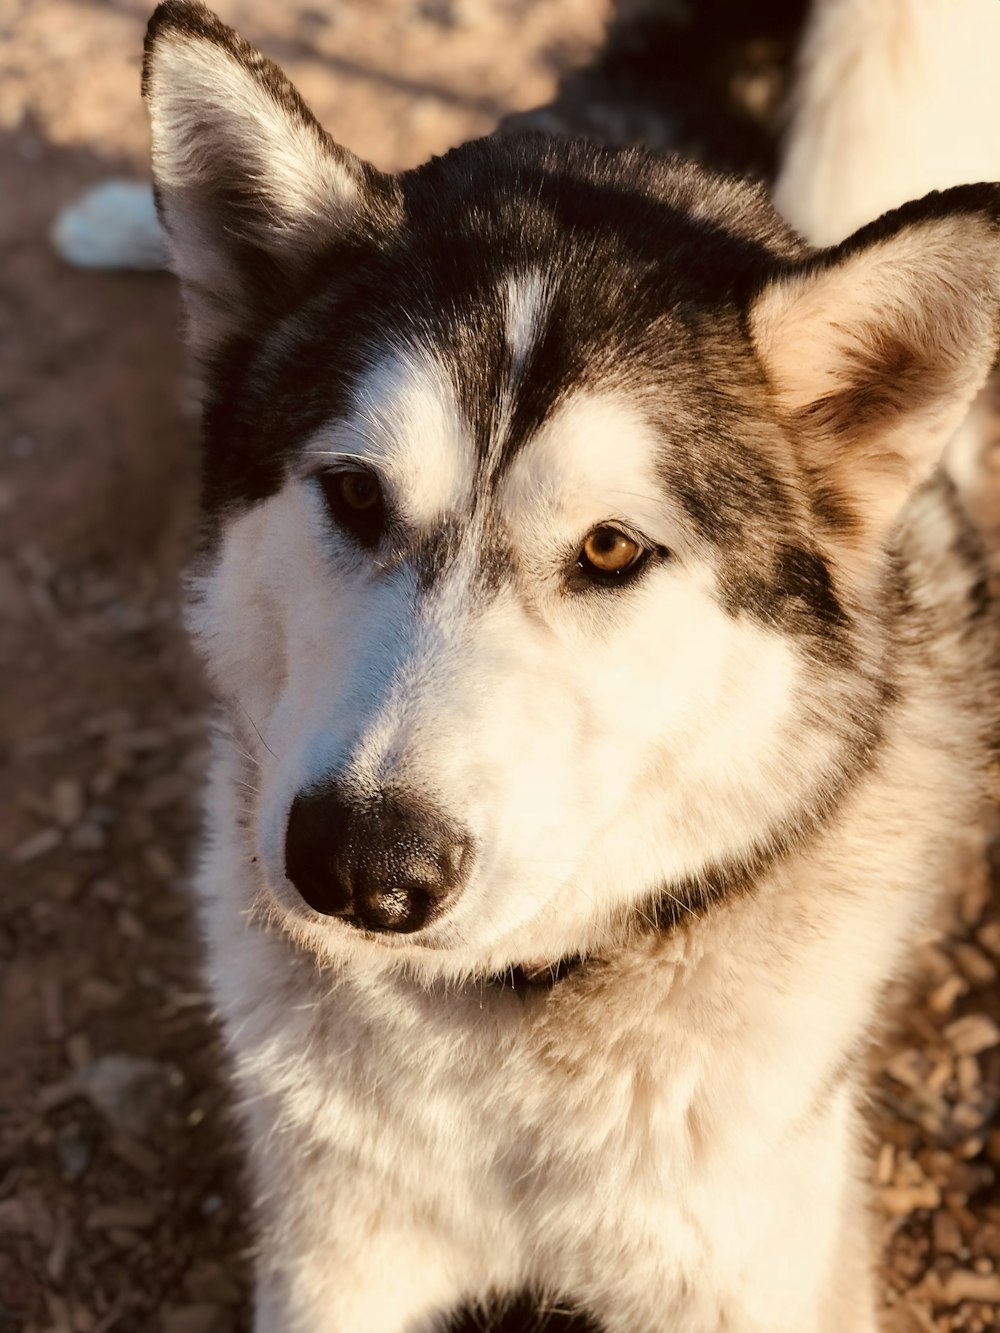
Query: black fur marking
{"x": 804, "y": 579}
{"x": 691, "y": 898}
{"x": 554, "y": 362}
{"x": 729, "y": 493}
{"x": 431, "y": 553}
{"x": 736, "y": 500}
{"x": 796, "y": 594}
{"x": 970, "y": 199}
{"x": 832, "y": 510}
{"x": 524, "y": 1313}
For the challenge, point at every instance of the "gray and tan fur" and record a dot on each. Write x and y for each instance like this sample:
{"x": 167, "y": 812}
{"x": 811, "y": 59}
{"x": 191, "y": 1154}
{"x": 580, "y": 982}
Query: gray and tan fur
{"x": 549, "y": 904}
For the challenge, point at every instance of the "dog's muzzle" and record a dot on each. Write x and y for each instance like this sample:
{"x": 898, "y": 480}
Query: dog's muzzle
{"x": 384, "y": 865}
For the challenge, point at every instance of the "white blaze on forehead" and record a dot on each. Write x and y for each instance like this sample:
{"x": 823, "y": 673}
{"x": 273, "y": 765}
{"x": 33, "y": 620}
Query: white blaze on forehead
{"x": 593, "y": 460}
{"x": 526, "y": 297}
{"x": 406, "y": 423}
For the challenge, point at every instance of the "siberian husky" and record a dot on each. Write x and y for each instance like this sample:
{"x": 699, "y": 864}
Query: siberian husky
{"x": 604, "y": 670}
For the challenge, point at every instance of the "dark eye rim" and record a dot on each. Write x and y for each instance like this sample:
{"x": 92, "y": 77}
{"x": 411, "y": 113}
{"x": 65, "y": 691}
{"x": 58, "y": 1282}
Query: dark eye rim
{"x": 367, "y": 525}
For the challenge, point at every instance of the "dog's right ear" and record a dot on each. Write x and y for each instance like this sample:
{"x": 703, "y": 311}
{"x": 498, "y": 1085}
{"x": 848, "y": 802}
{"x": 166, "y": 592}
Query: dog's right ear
{"x": 249, "y": 187}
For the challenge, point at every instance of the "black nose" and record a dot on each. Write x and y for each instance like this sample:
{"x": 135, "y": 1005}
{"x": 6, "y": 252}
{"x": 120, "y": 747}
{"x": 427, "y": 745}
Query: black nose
{"x": 382, "y": 865}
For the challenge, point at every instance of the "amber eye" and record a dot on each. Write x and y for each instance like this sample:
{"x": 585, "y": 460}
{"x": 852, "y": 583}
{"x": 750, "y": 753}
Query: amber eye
{"x": 357, "y": 490}
{"x": 608, "y": 551}
{"x": 355, "y": 501}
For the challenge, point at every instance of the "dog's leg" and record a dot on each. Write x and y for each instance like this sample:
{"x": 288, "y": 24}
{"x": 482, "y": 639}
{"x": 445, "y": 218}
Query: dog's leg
{"x": 344, "y": 1247}
{"x": 777, "y": 1242}
{"x": 381, "y": 1304}
{"x": 336, "y": 1269}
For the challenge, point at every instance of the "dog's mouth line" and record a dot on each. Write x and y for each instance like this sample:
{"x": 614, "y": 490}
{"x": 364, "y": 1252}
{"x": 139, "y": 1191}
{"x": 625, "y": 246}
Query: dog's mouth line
{"x": 533, "y": 976}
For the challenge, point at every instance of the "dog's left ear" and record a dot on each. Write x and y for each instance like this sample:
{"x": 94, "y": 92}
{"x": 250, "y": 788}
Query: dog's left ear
{"x": 250, "y": 188}
{"x": 875, "y": 348}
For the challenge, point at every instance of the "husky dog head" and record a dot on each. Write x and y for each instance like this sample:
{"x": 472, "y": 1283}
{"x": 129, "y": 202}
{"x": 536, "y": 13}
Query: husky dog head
{"x": 549, "y": 494}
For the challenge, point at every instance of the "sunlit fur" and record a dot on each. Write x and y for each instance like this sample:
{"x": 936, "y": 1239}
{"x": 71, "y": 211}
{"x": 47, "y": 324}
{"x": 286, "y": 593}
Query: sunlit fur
{"x": 709, "y": 806}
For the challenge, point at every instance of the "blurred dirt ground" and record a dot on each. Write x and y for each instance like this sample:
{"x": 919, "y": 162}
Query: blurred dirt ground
{"x": 120, "y": 1207}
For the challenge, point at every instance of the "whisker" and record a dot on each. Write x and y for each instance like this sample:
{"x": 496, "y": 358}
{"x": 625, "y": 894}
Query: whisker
{"x": 673, "y": 898}
{"x": 632, "y": 495}
{"x": 332, "y": 453}
{"x": 255, "y": 727}
{"x": 251, "y": 759}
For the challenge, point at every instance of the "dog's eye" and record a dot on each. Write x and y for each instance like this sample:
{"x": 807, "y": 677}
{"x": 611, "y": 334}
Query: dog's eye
{"x": 354, "y": 499}
{"x": 357, "y": 490}
{"x": 609, "y": 553}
